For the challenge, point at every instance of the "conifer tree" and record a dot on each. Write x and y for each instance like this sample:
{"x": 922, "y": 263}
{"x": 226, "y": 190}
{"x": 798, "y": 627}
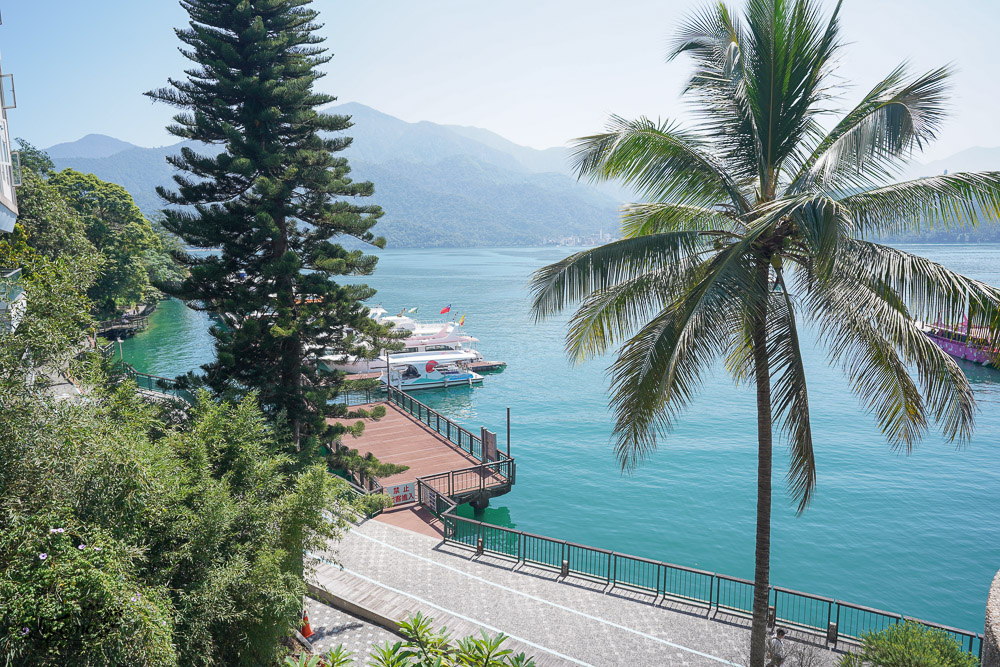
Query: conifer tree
{"x": 261, "y": 181}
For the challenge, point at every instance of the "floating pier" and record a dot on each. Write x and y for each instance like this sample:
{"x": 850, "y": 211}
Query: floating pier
{"x": 448, "y": 464}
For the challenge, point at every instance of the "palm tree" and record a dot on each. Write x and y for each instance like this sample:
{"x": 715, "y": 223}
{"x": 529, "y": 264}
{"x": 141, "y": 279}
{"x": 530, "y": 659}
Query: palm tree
{"x": 759, "y": 217}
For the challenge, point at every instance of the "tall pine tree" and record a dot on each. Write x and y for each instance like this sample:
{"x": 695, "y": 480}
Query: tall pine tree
{"x": 273, "y": 200}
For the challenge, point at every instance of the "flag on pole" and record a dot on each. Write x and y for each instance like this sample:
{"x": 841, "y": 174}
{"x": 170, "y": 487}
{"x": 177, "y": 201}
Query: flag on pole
{"x": 446, "y": 309}
{"x": 461, "y": 322}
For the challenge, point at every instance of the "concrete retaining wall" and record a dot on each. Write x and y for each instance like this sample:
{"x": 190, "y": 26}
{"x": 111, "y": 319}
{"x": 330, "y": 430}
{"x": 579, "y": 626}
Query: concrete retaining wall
{"x": 991, "y": 640}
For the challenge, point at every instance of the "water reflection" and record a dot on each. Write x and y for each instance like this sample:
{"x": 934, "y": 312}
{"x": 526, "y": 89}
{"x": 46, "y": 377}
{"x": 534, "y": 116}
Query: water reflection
{"x": 979, "y": 375}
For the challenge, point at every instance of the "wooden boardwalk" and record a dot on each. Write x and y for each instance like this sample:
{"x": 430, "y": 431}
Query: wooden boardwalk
{"x": 399, "y": 438}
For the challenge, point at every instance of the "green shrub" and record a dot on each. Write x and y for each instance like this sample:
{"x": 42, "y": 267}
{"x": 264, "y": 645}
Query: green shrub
{"x": 909, "y": 645}
{"x": 424, "y": 645}
{"x": 373, "y": 504}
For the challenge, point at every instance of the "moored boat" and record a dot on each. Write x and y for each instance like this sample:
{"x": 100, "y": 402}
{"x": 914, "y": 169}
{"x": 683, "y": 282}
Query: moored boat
{"x": 964, "y": 343}
{"x": 423, "y": 371}
{"x": 446, "y": 340}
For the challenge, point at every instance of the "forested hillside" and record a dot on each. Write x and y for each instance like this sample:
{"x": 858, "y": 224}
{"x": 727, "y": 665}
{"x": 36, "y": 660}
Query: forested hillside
{"x": 439, "y": 185}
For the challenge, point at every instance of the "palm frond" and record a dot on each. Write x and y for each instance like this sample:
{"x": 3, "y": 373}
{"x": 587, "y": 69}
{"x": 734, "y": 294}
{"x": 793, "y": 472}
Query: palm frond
{"x": 712, "y": 38}
{"x": 878, "y": 375}
{"x": 569, "y": 280}
{"x": 953, "y": 200}
{"x": 946, "y": 392}
{"x": 609, "y": 315}
{"x": 658, "y": 369}
{"x": 931, "y": 291}
{"x": 658, "y": 218}
{"x": 661, "y": 161}
{"x": 867, "y": 147}
{"x": 790, "y": 395}
{"x": 788, "y": 53}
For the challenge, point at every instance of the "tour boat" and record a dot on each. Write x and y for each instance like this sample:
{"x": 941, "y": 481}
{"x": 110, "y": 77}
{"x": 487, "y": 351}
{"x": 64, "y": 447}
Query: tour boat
{"x": 445, "y": 340}
{"x": 422, "y": 370}
{"x": 959, "y": 341}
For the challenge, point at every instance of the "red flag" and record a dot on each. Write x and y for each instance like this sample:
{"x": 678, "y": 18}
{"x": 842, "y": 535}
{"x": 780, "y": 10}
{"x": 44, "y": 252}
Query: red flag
{"x": 446, "y": 309}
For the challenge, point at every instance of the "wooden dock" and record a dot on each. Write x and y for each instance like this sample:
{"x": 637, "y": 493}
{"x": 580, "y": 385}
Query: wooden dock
{"x": 401, "y": 439}
{"x": 122, "y": 328}
{"x": 448, "y": 464}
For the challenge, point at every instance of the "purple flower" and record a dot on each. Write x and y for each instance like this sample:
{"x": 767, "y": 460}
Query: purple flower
{"x": 82, "y": 547}
{"x": 97, "y": 548}
{"x": 24, "y": 632}
{"x": 136, "y": 597}
{"x": 57, "y": 530}
{"x": 42, "y": 556}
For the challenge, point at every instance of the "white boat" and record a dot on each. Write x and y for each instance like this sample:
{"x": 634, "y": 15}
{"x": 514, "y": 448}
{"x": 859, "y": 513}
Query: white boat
{"x": 446, "y": 340}
{"x": 423, "y": 370}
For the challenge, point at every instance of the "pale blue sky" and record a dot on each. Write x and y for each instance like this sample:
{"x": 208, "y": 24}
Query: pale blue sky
{"x": 538, "y": 72}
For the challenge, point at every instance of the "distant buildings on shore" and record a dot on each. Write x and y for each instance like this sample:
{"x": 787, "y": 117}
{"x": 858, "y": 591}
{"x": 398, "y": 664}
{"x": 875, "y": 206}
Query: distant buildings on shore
{"x": 580, "y": 240}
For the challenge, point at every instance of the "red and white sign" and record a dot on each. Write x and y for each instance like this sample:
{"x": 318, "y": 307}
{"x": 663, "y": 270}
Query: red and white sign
{"x": 402, "y": 493}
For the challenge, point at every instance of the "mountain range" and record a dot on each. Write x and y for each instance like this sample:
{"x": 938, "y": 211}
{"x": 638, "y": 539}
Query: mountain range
{"x": 440, "y": 185}
{"x": 449, "y": 185}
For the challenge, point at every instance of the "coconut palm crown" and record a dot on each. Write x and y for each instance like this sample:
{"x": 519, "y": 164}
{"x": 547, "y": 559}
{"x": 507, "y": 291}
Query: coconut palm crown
{"x": 764, "y": 214}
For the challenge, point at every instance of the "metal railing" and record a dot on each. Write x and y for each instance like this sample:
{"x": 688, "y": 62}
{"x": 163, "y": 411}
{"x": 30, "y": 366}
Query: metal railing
{"x": 137, "y": 322}
{"x": 834, "y": 619}
{"x": 458, "y": 435}
{"x": 152, "y": 383}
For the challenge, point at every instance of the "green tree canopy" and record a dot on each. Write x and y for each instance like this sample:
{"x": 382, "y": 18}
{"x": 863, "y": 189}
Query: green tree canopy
{"x": 34, "y": 159}
{"x": 128, "y": 539}
{"x": 53, "y": 228}
{"x": 273, "y": 201}
{"x": 118, "y": 230}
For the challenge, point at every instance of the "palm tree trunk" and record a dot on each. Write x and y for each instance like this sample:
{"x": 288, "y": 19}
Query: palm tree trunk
{"x": 762, "y": 554}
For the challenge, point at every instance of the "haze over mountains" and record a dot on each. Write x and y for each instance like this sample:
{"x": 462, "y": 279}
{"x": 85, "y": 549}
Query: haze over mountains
{"x": 439, "y": 185}
{"x": 447, "y": 185}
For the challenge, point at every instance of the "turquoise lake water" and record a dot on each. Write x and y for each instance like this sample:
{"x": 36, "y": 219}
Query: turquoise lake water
{"x": 918, "y": 534}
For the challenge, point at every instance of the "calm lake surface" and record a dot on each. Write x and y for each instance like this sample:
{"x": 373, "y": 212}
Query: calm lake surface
{"x": 917, "y": 534}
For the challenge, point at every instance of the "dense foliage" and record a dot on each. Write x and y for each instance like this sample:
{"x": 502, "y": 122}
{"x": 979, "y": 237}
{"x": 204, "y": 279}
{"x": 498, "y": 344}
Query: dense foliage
{"x": 272, "y": 201}
{"x": 424, "y": 646}
{"x": 759, "y": 217}
{"x": 72, "y": 215}
{"x": 128, "y": 539}
{"x": 909, "y": 645}
{"x": 135, "y": 533}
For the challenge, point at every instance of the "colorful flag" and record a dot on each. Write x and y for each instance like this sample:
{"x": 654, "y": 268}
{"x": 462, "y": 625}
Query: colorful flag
{"x": 446, "y": 309}
{"x": 413, "y": 310}
{"x": 462, "y": 321}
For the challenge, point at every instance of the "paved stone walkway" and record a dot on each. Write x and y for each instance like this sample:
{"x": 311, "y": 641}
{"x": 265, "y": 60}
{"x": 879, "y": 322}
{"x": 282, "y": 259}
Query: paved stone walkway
{"x": 332, "y": 627}
{"x": 561, "y": 622}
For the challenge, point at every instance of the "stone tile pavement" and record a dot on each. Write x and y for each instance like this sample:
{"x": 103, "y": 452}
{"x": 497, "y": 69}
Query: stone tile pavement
{"x": 562, "y": 622}
{"x": 332, "y": 627}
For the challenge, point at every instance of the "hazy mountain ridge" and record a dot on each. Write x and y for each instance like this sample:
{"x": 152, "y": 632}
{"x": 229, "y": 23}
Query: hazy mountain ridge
{"x": 449, "y": 185}
{"x": 439, "y": 185}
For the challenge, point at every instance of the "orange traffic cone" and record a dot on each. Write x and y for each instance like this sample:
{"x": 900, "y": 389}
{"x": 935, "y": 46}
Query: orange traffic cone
{"x": 307, "y": 631}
